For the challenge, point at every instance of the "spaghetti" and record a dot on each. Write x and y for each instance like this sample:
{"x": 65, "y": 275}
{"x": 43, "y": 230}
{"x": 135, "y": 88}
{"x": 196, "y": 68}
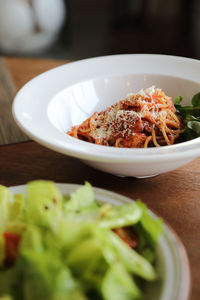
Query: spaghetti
{"x": 145, "y": 119}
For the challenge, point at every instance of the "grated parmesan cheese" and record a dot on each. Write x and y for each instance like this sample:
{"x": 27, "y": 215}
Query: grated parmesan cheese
{"x": 120, "y": 121}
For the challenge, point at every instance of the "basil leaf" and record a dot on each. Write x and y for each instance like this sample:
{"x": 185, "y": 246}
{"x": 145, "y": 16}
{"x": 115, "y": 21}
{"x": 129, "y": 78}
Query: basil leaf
{"x": 189, "y": 134}
{"x": 195, "y": 126}
{"x": 190, "y": 115}
{"x": 178, "y": 100}
{"x": 192, "y": 118}
{"x": 186, "y": 111}
{"x": 196, "y": 100}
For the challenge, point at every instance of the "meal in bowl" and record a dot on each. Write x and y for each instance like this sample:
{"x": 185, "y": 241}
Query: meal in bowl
{"x": 147, "y": 118}
{"x": 71, "y": 247}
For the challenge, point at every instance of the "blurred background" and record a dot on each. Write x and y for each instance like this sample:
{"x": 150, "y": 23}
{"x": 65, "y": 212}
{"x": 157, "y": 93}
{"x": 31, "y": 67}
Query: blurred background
{"x": 76, "y": 29}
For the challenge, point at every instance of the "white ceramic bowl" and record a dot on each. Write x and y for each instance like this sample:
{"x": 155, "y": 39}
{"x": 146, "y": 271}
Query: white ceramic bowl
{"x": 172, "y": 265}
{"x": 49, "y": 105}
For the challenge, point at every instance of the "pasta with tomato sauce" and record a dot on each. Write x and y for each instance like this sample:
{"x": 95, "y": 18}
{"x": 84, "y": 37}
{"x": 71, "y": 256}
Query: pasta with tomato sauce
{"x": 147, "y": 118}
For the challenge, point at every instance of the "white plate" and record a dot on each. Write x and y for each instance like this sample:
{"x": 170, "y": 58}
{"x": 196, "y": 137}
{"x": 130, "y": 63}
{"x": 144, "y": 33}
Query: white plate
{"x": 49, "y": 105}
{"x": 172, "y": 265}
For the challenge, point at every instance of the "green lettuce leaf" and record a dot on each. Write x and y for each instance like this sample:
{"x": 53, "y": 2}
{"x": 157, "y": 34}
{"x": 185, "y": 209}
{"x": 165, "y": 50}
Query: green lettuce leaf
{"x": 17, "y": 208}
{"x": 67, "y": 247}
{"x": 119, "y": 285}
{"x": 45, "y": 277}
{"x": 6, "y": 297}
{"x": 5, "y": 204}
{"x": 119, "y": 216}
{"x": 151, "y": 225}
{"x": 7, "y": 281}
{"x": 43, "y": 204}
{"x": 2, "y": 249}
{"x": 82, "y": 200}
{"x": 116, "y": 250}
{"x": 87, "y": 262}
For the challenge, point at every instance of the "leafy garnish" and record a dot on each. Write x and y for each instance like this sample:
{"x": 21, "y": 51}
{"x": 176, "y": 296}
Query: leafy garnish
{"x": 190, "y": 116}
{"x": 178, "y": 100}
{"x": 195, "y": 126}
{"x": 196, "y": 100}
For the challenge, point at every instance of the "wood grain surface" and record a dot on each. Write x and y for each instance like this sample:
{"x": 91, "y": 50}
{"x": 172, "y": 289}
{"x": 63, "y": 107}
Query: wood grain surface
{"x": 14, "y": 73}
{"x": 25, "y": 69}
{"x": 174, "y": 195}
{"x": 9, "y": 131}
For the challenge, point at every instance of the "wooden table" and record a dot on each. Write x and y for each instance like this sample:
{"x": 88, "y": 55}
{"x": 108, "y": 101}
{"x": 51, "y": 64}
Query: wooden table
{"x": 174, "y": 195}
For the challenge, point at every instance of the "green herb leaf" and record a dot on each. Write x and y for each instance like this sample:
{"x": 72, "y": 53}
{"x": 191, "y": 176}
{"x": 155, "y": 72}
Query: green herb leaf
{"x": 196, "y": 100}
{"x": 178, "y": 100}
{"x": 190, "y": 115}
{"x": 189, "y": 134}
{"x": 195, "y": 126}
{"x": 188, "y": 111}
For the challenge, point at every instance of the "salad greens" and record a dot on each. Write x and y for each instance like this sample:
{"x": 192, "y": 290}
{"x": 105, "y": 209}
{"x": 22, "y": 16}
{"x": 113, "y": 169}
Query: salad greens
{"x": 190, "y": 116}
{"x": 55, "y": 247}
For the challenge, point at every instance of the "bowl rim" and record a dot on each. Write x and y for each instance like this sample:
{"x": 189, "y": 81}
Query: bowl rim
{"x": 186, "y": 68}
{"x": 169, "y": 236}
